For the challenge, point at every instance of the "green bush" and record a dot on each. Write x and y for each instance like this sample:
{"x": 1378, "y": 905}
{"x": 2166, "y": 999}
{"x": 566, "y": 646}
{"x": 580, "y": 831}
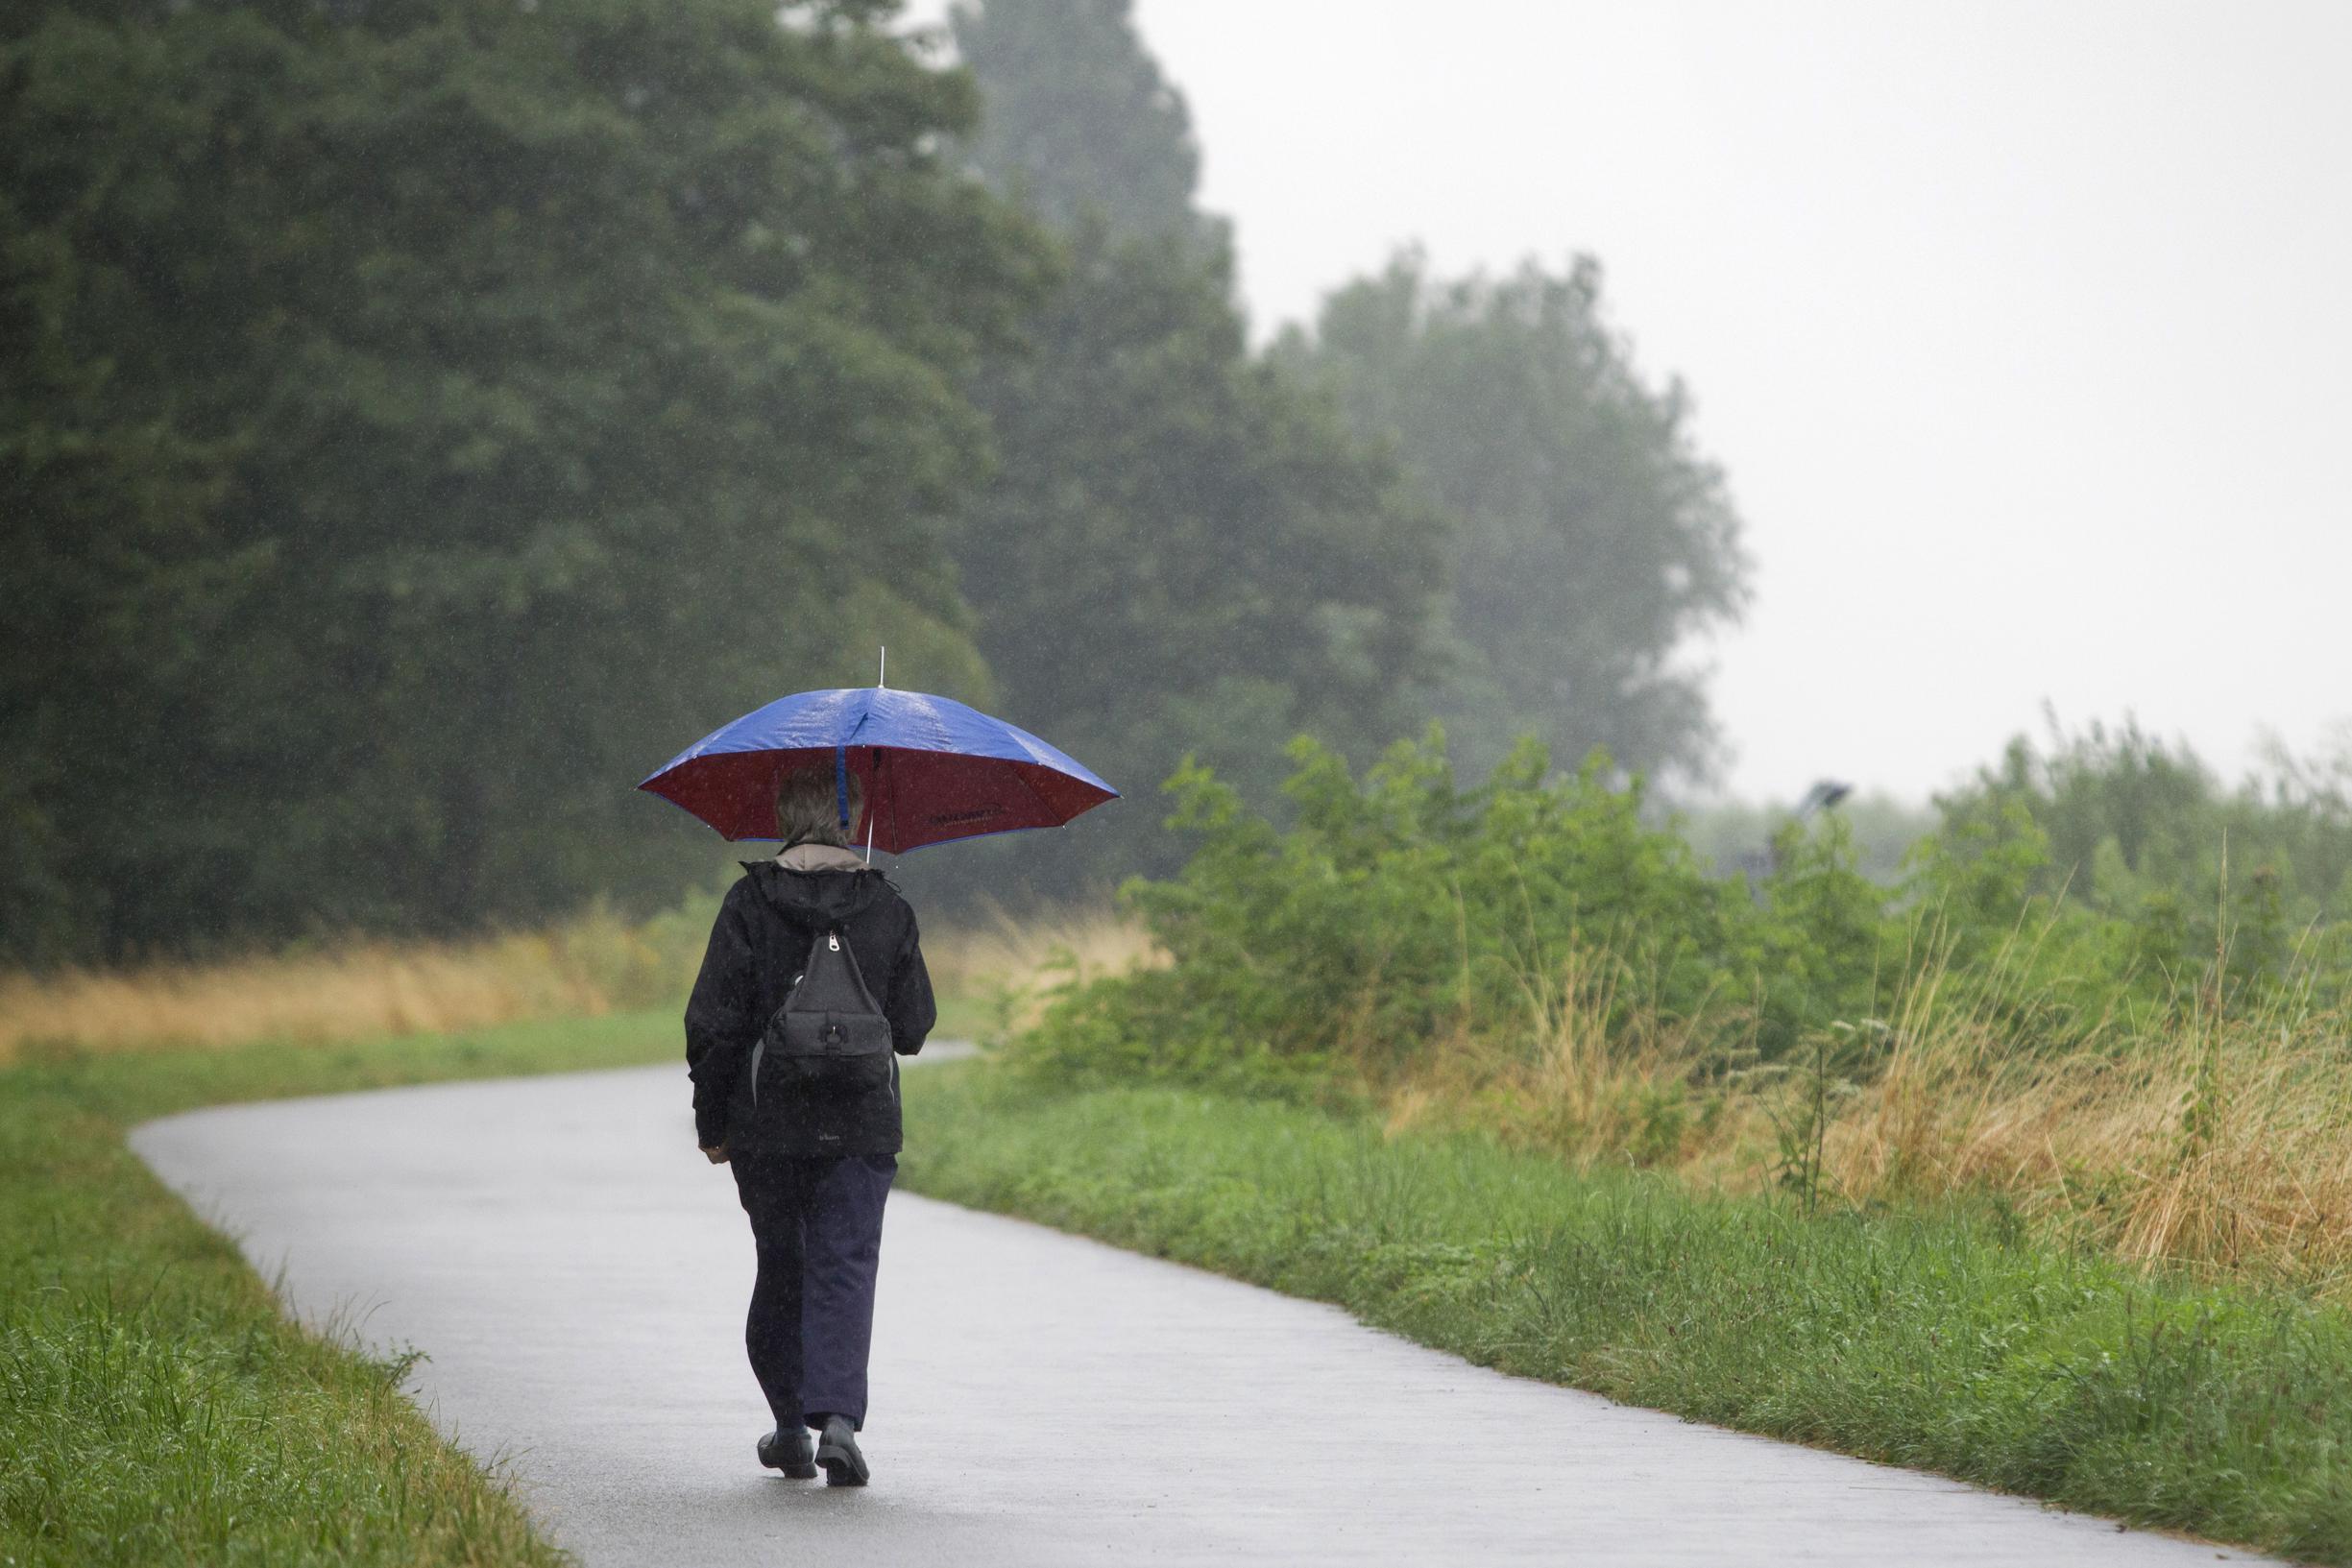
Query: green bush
{"x": 2254, "y": 882}
{"x": 1396, "y": 909}
{"x": 1399, "y": 911}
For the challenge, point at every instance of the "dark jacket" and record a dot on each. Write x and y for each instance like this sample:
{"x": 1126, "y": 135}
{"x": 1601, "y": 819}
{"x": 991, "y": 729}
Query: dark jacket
{"x": 762, "y": 940}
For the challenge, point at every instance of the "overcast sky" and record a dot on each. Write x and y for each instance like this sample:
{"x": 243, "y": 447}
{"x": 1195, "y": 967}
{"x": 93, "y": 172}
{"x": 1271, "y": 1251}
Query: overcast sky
{"x": 2023, "y": 330}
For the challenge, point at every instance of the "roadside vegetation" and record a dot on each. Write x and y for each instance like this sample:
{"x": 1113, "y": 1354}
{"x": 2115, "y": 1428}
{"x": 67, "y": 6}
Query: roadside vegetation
{"x": 591, "y": 966}
{"x": 2146, "y": 1056}
{"x": 360, "y": 989}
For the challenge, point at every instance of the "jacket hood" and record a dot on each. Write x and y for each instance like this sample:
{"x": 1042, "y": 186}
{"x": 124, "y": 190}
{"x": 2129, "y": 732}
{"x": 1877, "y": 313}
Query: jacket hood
{"x": 823, "y": 897}
{"x": 818, "y": 857}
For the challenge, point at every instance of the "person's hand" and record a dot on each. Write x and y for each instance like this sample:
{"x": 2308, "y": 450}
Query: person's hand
{"x": 718, "y": 1155}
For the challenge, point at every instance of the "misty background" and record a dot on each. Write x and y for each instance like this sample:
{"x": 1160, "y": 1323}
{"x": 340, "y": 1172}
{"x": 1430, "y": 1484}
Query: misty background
{"x": 424, "y": 418}
{"x": 2020, "y": 329}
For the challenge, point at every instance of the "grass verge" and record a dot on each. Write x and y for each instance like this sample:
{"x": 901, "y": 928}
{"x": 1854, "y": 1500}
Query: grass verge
{"x": 1947, "y": 1337}
{"x": 153, "y": 1404}
{"x": 991, "y": 974}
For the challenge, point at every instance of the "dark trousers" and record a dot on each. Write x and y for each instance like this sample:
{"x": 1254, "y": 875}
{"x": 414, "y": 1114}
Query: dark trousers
{"x": 817, "y": 1224}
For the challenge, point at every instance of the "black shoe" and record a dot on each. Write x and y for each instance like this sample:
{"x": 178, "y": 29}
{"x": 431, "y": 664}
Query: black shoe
{"x": 836, "y": 1449}
{"x": 789, "y": 1452}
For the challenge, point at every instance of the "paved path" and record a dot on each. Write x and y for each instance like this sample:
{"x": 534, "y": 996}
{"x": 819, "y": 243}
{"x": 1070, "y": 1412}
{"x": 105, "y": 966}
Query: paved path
{"x": 577, "y": 1274}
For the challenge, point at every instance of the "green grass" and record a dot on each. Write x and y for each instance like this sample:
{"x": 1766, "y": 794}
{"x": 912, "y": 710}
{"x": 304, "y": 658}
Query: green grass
{"x": 965, "y": 1018}
{"x": 153, "y": 1406}
{"x": 1944, "y": 1340}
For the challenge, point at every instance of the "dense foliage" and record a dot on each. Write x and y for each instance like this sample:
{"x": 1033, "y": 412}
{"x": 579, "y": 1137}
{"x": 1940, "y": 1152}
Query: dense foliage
{"x": 1401, "y": 911}
{"x": 420, "y": 418}
{"x": 2145, "y": 832}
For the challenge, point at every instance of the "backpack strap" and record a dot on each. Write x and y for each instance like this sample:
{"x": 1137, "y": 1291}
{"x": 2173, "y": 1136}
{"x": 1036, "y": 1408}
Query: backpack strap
{"x": 759, "y": 1050}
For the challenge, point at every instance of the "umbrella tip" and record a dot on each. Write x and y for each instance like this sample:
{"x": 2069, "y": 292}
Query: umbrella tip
{"x": 882, "y": 676}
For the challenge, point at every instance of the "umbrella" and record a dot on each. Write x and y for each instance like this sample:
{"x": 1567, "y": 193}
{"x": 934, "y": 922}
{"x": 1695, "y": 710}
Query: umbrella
{"x": 932, "y": 769}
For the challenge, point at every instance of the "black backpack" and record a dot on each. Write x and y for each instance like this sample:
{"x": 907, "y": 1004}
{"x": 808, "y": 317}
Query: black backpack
{"x": 829, "y": 1038}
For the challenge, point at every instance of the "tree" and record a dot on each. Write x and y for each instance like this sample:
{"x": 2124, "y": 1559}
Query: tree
{"x": 1589, "y": 540}
{"x": 1080, "y": 122}
{"x": 1181, "y": 551}
{"x": 423, "y": 417}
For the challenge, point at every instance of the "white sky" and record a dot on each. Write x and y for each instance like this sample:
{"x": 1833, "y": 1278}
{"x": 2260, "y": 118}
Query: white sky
{"x": 2023, "y": 330}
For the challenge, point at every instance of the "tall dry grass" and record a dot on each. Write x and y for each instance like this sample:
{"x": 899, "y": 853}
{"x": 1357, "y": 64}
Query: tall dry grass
{"x": 591, "y": 965}
{"x": 1588, "y": 1079}
{"x": 2222, "y": 1140}
{"x": 1012, "y": 965}
{"x": 596, "y": 964}
{"x": 2217, "y": 1138}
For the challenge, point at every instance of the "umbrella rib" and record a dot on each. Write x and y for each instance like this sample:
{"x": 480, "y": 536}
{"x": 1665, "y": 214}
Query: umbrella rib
{"x": 1043, "y": 805}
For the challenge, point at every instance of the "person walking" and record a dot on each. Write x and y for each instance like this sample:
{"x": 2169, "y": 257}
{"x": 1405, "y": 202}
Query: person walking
{"x": 814, "y": 962}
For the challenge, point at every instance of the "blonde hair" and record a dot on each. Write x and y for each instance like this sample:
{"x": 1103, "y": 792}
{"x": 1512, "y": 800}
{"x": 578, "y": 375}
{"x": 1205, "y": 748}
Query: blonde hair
{"x": 808, "y": 811}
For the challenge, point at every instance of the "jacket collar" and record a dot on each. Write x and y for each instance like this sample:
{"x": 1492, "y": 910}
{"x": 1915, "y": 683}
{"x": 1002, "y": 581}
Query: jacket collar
{"x": 818, "y": 857}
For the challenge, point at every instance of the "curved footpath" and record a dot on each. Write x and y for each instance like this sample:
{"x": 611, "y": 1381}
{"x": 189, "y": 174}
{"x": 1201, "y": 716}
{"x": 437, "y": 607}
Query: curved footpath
{"x": 576, "y": 1275}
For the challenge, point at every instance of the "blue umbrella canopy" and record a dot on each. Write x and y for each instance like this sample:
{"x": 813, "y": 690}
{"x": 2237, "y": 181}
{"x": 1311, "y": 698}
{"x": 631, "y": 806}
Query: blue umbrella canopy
{"x": 931, "y": 769}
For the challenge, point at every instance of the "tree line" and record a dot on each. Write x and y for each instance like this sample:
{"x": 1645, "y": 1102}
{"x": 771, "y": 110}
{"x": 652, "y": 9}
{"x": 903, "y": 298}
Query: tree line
{"x": 419, "y": 418}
